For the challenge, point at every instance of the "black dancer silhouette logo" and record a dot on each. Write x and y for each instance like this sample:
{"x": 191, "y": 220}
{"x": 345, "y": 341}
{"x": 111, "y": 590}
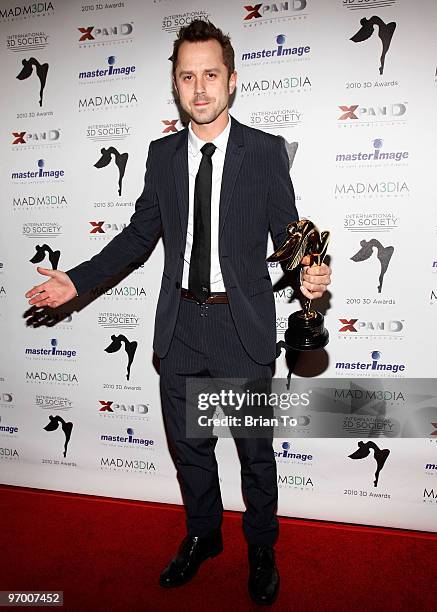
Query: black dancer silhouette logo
{"x": 120, "y": 160}
{"x": 291, "y": 151}
{"x": 41, "y": 253}
{"x": 129, "y": 347}
{"x": 41, "y": 73}
{"x": 380, "y": 456}
{"x": 383, "y": 254}
{"x": 67, "y": 428}
{"x": 385, "y": 33}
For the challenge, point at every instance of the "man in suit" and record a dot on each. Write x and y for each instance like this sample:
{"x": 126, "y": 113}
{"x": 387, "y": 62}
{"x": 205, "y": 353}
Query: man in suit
{"x": 214, "y": 191}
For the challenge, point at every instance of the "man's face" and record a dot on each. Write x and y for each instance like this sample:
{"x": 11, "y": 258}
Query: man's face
{"x": 202, "y": 82}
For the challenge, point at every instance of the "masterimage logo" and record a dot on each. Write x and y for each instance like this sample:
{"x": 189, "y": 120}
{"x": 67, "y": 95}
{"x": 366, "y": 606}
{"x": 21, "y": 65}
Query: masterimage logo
{"x": 370, "y": 222}
{"x": 369, "y": 368}
{"x": 40, "y": 255}
{"x": 41, "y": 71}
{"x": 118, "y": 320}
{"x": 66, "y": 426}
{"x": 388, "y": 114}
{"x": 380, "y": 456}
{"x": 124, "y": 465}
{"x": 293, "y": 84}
{"x": 106, "y": 73}
{"x": 281, "y": 52}
{"x": 43, "y": 202}
{"x": 170, "y": 126}
{"x": 24, "y": 11}
{"x": 23, "y": 141}
{"x": 385, "y": 33}
{"x": 129, "y": 440}
{"x": 108, "y": 131}
{"x": 120, "y": 160}
{"x": 383, "y": 254}
{"x": 377, "y": 189}
{"x": 172, "y": 23}
{"x": 276, "y": 119}
{"x": 116, "y": 100}
{"x": 51, "y": 353}
{"x": 285, "y": 454}
{"x": 41, "y": 376}
{"x": 53, "y": 402}
{"x": 42, "y": 229}
{"x": 377, "y": 157}
{"x": 126, "y": 409}
{"x": 92, "y": 36}
{"x": 39, "y": 176}
{"x": 8, "y": 430}
{"x": 431, "y": 468}
{"x": 264, "y": 12}
{"x": 360, "y": 328}
{"x": 130, "y": 348}
{"x": 29, "y": 41}
{"x": 101, "y": 229}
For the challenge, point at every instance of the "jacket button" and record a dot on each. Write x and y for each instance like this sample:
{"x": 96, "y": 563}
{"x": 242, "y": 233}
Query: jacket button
{"x": 177, "y": 285}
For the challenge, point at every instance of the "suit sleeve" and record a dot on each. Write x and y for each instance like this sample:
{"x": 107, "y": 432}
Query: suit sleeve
{"x": 281, "y": 201}
{"x": 135, "y": 240}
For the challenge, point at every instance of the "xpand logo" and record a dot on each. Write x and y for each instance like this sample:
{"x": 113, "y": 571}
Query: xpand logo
{"x": 285, "y": 454}
{"x": 24, "y": 11}
{"x": 291, "y": 84}
{"x": 266, "y": 12}
{"x": 280, "y": 52}
{"x": 123, "y": 409}
{"x": 373, "y": 368}
{"x": 39, "y": 175}
{"x": 359, "y": 328}
{"x": 53, "y": 352}
{"x": 127, "y": 440}
{"x": 356, "y": 114}
{"x": 93, "y": 36}
{"x": 102, "y": 229}
{"x": 109, "y": 73}
{"x": 372, "y": 158}
{"x": 170, "y": 126}
{"x": 35, "y": 140}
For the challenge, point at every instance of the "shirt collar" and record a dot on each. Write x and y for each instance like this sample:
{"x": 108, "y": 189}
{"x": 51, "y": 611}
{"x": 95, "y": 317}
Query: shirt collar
{"x": 220, "y": 141}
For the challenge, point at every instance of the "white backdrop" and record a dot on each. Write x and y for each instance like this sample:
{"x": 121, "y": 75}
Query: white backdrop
{"x": 327, "y": 95}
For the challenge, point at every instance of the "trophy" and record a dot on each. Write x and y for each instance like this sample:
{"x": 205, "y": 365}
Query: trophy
{"x": 306, "y": 330}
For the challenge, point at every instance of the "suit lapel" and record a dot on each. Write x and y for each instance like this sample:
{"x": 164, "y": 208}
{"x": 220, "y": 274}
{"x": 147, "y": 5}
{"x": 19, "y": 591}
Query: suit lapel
{"x": 180, "y": 173}
{"x": 235, "y": 152}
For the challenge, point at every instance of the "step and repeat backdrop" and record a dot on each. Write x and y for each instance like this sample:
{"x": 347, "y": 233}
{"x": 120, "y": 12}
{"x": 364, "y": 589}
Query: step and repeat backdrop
{"x": 351, "y": 87}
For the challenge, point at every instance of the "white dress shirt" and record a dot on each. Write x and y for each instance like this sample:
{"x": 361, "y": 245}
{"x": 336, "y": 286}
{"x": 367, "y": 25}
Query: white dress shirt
{"x": 218, "y": 160}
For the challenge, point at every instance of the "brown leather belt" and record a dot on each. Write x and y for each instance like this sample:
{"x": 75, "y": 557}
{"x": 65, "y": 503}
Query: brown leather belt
{"x": 214, "y": 298}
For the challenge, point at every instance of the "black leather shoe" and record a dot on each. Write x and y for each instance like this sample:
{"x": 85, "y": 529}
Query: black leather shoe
{"x": 263, "y": 575}
{"x": 191, "y": 554}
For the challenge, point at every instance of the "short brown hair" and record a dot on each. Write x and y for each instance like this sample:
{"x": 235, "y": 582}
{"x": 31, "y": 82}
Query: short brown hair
{"x": 200, "y": 30}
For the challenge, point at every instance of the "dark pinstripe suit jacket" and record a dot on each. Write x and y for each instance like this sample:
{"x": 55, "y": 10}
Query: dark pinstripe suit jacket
{"x": 256, "y": 196}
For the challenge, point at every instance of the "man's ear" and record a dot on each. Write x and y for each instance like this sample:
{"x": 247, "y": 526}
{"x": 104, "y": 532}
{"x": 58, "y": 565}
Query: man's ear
{"x": 232, "y": 82}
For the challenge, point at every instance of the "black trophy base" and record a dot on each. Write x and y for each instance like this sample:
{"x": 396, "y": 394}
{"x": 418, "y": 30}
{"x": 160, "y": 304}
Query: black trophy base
{"x": 306, "y": 332}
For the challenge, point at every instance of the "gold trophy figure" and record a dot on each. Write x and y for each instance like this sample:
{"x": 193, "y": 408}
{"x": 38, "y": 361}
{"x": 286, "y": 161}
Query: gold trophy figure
{"x": 306, "y": 330}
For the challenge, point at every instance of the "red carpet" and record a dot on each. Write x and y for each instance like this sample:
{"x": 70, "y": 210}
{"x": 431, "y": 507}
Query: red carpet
{"x": 106, "y": 554}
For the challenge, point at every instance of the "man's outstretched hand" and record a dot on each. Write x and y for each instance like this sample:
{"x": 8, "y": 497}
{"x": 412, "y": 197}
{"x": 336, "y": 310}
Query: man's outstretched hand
{"x": 315, "y": 279}
{"x": 53, "y": 292}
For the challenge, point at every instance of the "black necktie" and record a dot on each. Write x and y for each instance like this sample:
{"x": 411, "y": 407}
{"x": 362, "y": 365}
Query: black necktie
{"x": 200, "y": 261}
